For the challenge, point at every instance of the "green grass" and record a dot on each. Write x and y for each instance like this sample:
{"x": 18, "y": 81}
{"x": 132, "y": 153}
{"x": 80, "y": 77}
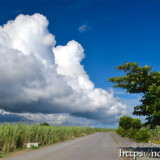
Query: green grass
{"x": 15, "y": 136}
{"x": 155, "y": 134}
{"x": 34, "y": 147}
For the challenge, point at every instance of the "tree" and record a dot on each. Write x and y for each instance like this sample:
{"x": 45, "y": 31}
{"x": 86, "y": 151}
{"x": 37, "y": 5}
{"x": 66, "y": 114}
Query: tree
{"x": 145, "y": 81}
{"x": 44, "y": 124}
{"x": 136, "y": 123}
{"x": 125, "y": 122}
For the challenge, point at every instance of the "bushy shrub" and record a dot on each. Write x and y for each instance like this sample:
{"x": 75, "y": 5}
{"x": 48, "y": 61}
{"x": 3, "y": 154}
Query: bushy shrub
{"x": 136, "y": 123}
{"x": 121, "y": 131}
{"x": 130, "y": 127}
{"x": 131, "y": 133}
{"x": 142, "y": 136}
{"x": 125, "y": 122}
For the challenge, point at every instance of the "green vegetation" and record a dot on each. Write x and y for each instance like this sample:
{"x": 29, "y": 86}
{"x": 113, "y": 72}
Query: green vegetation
{"x": 146, "y": 82}
{"x": 125, "y": 122}
{"x": 136, "y": 123}
{"x": 132, "y": 128}
{"x": 155, "y": 134}
{"x": 44, "y": 124}
{"x": 142, "y": 135}
{"x": 15, "y": 136}
{"x": 104, "y": 130}
{"x": 34, "y": 147}
{"x": 121, "y": 131}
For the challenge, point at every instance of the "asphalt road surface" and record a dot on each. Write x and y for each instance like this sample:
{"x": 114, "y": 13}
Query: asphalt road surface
{"x": 99, "y": 146}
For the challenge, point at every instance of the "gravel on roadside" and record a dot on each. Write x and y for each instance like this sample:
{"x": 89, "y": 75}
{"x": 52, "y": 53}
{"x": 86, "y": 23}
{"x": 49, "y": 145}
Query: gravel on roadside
{"x": 125, "y": 144}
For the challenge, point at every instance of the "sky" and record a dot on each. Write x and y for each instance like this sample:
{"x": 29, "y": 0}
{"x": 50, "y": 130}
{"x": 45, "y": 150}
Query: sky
{"x": 56, "y": 58}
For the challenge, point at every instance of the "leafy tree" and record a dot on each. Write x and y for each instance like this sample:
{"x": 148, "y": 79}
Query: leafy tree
{"x": 125, "y": 122}
{"x": 136, "y": 123}
{"x": 142, "y": 80}
{"x": 44, "y": 124}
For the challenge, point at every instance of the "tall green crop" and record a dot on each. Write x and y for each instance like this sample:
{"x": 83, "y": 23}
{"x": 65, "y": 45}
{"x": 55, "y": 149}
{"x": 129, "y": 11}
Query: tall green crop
{"x": 13, "y": 136}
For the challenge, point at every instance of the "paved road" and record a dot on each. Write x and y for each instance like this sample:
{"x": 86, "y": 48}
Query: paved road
{"x": 99, "y": 146}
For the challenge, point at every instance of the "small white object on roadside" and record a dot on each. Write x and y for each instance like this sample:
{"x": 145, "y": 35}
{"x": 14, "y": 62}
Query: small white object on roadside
{"x": 37, "y": 144}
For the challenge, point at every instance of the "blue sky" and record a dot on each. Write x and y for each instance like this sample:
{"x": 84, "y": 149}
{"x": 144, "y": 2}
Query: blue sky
{"x": 112, "y": 32}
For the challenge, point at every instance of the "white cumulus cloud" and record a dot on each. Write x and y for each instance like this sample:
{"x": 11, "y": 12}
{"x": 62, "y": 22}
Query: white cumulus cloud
{"x": 39, "y": 77}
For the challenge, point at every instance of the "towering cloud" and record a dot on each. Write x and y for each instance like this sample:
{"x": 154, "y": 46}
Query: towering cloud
{"x": 39, "y": 77}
